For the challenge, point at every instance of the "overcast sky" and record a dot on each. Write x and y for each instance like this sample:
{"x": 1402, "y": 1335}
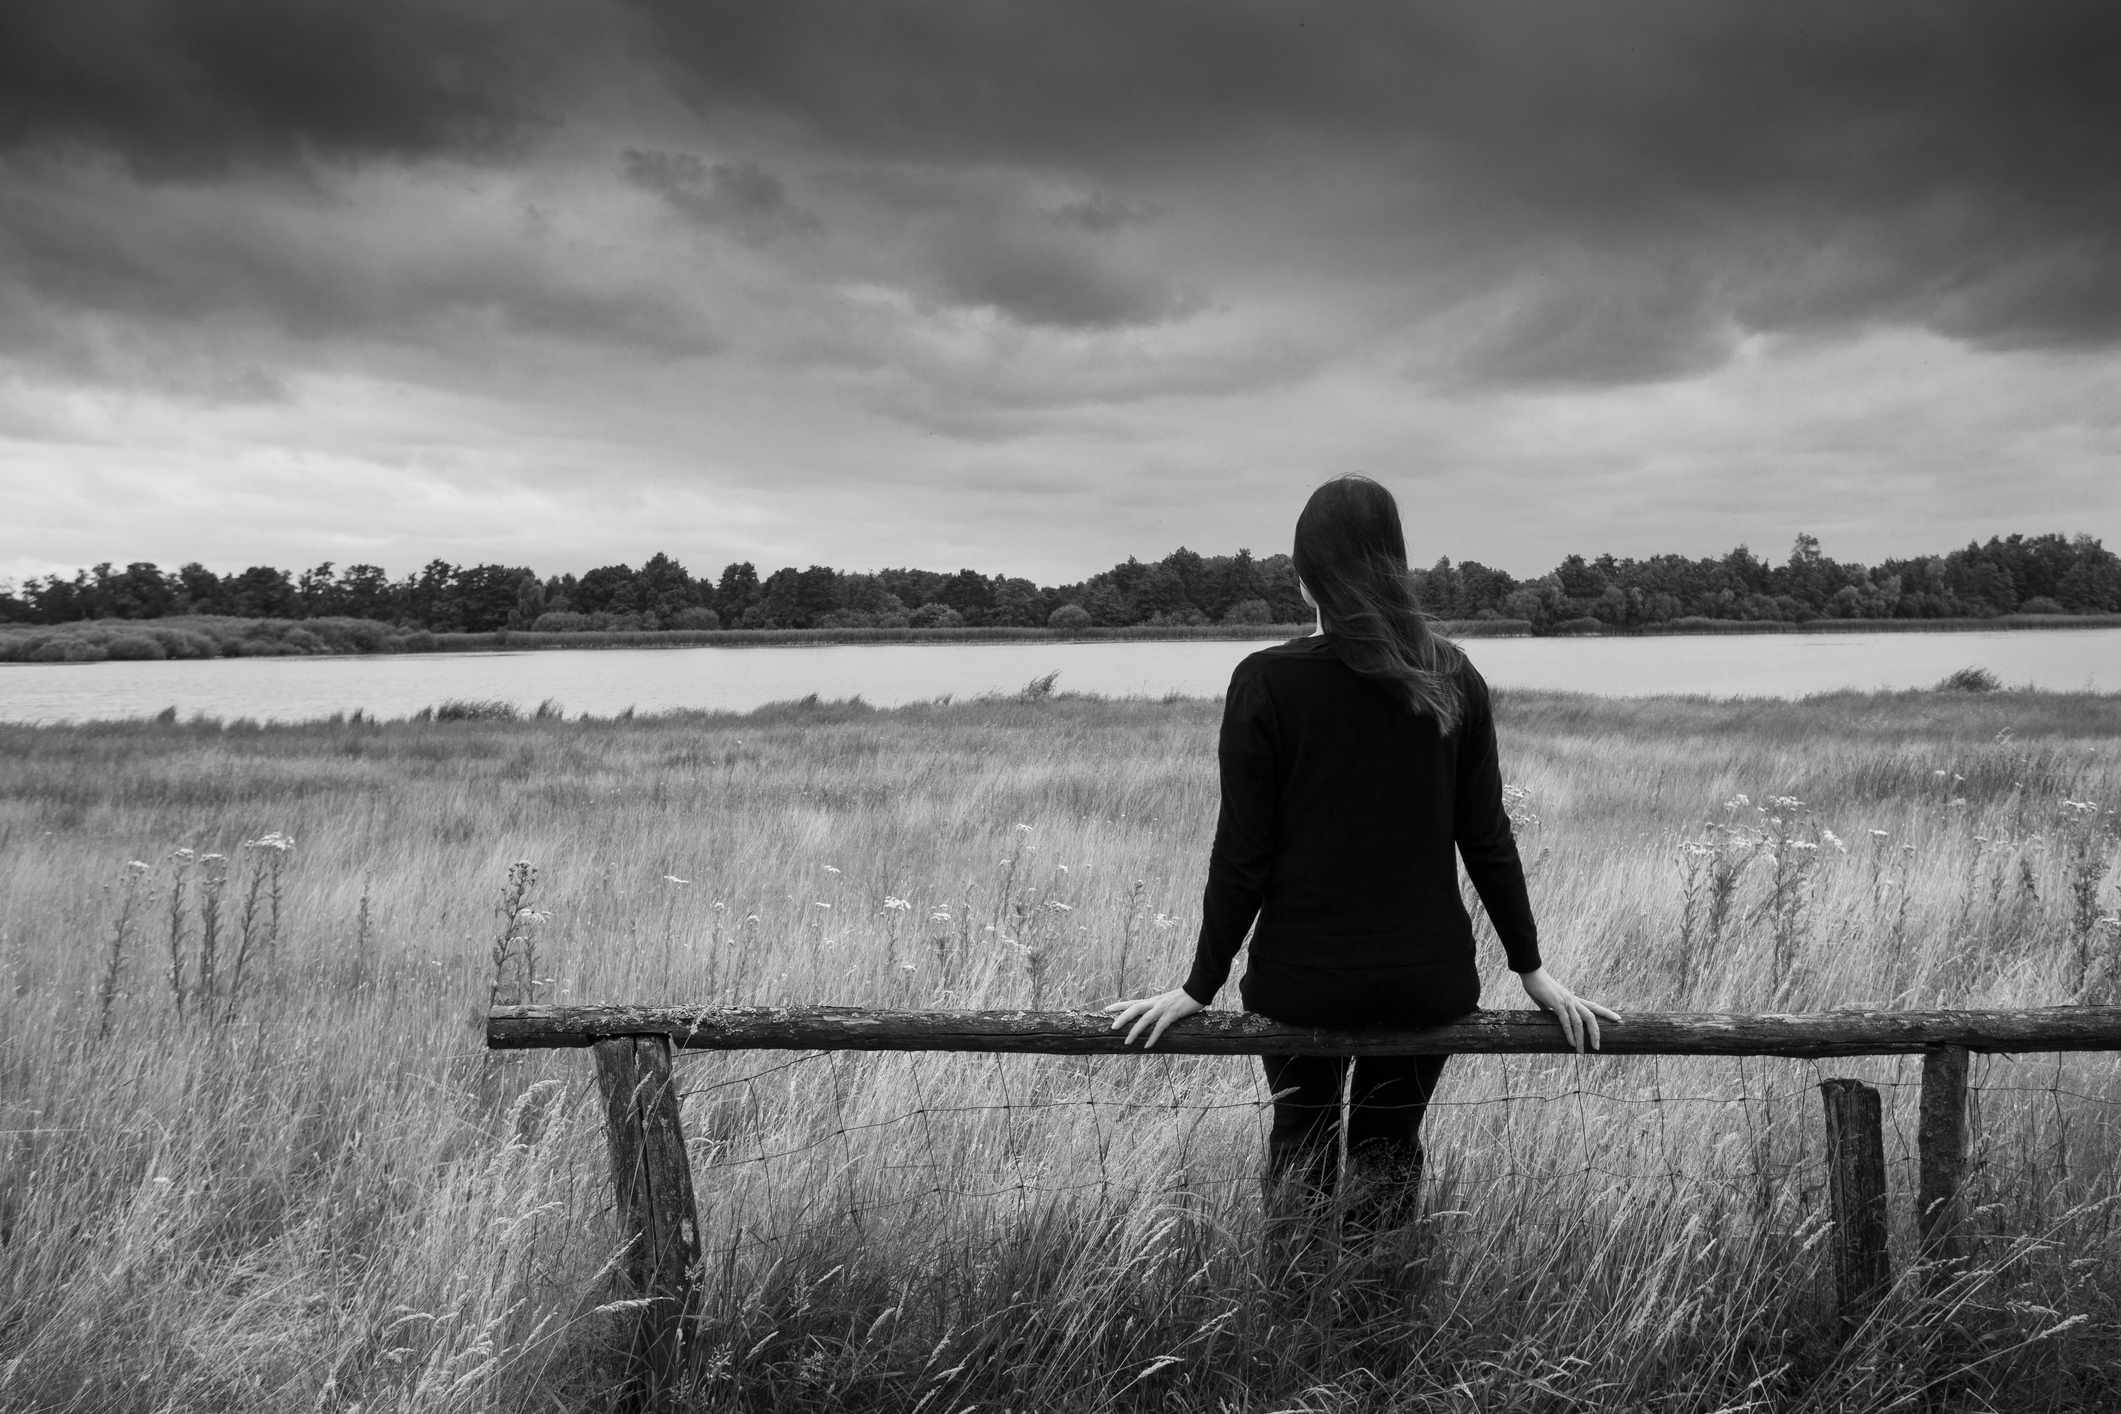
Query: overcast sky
{"x": 1030, "y": 287}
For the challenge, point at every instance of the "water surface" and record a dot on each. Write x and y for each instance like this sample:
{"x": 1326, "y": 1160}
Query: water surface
{"x": 605, "y": 681}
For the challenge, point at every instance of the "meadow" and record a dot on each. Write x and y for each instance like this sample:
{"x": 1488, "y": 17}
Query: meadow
{"x": 253, "y": 1155}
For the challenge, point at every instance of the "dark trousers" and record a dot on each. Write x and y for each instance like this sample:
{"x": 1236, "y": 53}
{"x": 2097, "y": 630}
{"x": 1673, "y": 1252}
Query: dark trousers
{"x": 1388, "y": 1098}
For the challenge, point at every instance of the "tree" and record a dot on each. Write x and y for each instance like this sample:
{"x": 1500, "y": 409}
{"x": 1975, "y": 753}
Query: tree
{"x": 200, "y": 590}
{"x": 968, "y": 593}
{"x": 1015, "y": 604}
{"x": 486, "y": 597}
{"x": 1104, "y": 605}
{"x": 666, "y": 589}
{"x": 365, "y": 592}
{"x": 607, "y": 589}
{"x": 530, "y": 602}
{"x": 429, "y": 601}
{"x": 262, "y": 592}
{"x": 317, "y": 591}
{"x": 737, "y": 591}
{"x": 1160, "y": 594}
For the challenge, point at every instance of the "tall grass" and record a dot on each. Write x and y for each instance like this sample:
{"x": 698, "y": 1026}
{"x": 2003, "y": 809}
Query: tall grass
{"x": 319, "y": 1192}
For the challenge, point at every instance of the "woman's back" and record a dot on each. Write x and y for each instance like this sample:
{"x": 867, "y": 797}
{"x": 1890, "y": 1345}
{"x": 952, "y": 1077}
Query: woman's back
{"x": 1341, "y": 809}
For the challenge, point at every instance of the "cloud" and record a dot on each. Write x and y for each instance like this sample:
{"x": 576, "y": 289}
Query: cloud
{"x": 742, "y": 196}
{"x": 913, "y": 264}
{"x": 1965, "y": 161}
{"x": 1101, "y": 213}
{"x": 187, "y": 87}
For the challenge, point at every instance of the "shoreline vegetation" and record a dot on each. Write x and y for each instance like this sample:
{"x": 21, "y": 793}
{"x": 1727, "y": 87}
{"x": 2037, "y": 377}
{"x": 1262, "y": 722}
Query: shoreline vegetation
{"x": 2051, "y": 709}
{"x": 446, "y": 607}
{"x": 216, "y": 636}
{"x": 258, "y": 1161}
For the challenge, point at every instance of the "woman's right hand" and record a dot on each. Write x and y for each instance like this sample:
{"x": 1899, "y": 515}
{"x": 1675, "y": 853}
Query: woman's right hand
{"x": 1152, "y": 1014}
{"x": 1578, "y": 1017}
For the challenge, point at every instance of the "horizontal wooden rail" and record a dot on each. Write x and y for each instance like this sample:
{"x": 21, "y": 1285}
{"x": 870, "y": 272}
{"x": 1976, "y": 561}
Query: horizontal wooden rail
{"x": 1825, "y": 1033}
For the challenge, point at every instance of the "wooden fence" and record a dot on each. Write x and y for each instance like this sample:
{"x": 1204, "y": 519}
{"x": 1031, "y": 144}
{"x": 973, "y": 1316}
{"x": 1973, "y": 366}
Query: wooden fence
{"x": 652, "y": 1174}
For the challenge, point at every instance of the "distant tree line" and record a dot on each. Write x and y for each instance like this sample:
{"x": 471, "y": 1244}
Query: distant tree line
{"x": 2049, "y": 574}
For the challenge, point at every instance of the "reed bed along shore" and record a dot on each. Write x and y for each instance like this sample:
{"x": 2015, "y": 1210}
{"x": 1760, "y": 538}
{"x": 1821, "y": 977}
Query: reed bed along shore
{"x": 209, "y": 636}
{"x": 254, "y": 1157}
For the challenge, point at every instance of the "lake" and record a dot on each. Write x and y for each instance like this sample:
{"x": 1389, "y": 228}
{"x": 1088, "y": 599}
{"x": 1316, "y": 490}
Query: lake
{"x": 605, "y": 681}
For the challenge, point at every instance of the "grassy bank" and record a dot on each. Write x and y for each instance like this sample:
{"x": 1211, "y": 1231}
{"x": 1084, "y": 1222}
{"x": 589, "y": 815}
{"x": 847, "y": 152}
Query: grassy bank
{"x": 312, "y": 1189}
{"x": 2005, "y": 621}
{"x": 207, "y": 636}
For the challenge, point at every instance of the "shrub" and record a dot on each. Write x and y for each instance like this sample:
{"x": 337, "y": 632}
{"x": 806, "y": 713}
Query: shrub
{"x": 1970, "y": 680}
{"x": 561, "y": 621}
{"x": 133, "y": 647}
{"x": 418, "y": 641}
{"x": 935, "y": 616}
{"x": 694, "y": 618}
{"x": 176, "y": 643}
{"x": 1249, "y": 611}
{"x": 466, "y": 710}
{"x": 1578, "y": 626}
{"x": 350, "y": 635}
{"x": 1069, "y": 616}
{"x": 2041, "y": 604}
{"x": 302, "y": 640}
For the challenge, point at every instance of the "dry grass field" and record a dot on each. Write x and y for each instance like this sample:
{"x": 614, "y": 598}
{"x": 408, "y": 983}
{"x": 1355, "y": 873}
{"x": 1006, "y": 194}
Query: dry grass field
{"x": 294, "y": 1180}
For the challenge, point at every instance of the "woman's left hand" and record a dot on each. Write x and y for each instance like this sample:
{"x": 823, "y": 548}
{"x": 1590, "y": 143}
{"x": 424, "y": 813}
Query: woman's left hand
{"x": 1152, "y": 1014}
{"x": 1578, "y": 1016}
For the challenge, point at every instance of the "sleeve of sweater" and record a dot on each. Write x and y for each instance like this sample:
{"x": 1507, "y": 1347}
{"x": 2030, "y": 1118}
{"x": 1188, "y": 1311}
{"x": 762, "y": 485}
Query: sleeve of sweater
{"x": 1244, "y": 834}
{"x": 1482, "y": 828}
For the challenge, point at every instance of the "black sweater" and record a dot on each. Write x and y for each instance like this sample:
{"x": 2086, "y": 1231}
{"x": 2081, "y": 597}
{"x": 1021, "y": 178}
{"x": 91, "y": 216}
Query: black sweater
{"x": 1340, "y": 810}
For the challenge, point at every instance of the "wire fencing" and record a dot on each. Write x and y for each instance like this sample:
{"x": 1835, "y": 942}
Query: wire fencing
{"x": 923, "y": 1149}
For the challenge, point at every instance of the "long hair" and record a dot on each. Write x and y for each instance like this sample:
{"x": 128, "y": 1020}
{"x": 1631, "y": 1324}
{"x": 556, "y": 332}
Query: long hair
{"x": 1352, "y": 556}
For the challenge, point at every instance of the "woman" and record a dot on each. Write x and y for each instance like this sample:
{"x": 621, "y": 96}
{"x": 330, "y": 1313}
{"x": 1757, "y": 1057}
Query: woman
{"x": 1353, "y": 762}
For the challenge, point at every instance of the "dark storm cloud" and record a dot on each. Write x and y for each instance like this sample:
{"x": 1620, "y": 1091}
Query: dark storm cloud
{"x": 1520, "y": 192}
{"x": 741, "y": 196}
{"x": 1102, "y": 213}
{"x": 195, "y": 86}
{"x": 1799, "y": 165}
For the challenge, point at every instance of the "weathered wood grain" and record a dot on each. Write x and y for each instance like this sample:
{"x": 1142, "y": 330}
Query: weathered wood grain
{"x": 1855, "y": 1177}
{"x": 1812, "y": 1034}
{"x": 1941, "y": 1145}
{"x": 657, "y": 1211}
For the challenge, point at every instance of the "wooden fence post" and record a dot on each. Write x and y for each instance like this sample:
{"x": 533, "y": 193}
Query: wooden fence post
{"x": 652, "y": 1178}
{"x": 1940, "y": 1216}
{"x": 1855, "y": 1172}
